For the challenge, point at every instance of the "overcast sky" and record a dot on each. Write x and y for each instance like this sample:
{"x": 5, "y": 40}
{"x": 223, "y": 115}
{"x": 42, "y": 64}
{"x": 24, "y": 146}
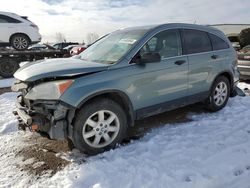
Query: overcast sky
{"x": 76, "y": 18}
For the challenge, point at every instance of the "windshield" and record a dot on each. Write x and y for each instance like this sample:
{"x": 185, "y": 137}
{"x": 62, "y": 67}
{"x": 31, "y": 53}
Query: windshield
{"x": 112, "y": 47}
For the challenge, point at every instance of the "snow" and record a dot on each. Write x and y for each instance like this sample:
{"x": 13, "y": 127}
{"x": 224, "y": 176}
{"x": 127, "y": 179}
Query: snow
{"x": 210, "y": 151}
{"x": 244, "y": 86}
{"x": 6, "y": 82}
{"x": 7, "y": 119}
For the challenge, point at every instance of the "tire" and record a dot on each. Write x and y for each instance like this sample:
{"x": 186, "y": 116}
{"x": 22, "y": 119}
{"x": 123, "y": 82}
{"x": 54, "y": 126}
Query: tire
{"x": 219, "y": 94}
{"x": 8, "y": 67}
{"x": 20, "y": 42}
{"x": 92, "y": 135}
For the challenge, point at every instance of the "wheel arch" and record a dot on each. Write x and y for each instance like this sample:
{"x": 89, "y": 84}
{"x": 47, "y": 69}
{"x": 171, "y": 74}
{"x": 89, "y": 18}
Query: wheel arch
{"x": 19, "y": 33}
{"x": 116, "y": 95}
{"x": 230, "y": 78}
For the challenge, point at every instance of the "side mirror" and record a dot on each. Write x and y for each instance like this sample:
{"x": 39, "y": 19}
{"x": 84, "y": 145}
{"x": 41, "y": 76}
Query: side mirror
{"x": 151, "y": 57}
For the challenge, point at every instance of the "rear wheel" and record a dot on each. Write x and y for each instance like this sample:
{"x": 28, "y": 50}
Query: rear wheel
{"x": 99, "y": 126}
{"x": 8, "y": 67}
{"x": 219, "y": 94}
{"x": 20, "y": 42}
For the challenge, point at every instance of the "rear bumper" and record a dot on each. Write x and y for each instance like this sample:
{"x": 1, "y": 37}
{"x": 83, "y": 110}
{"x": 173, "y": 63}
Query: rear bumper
{"x": 244, "y": 71}
{"x": 35, "y": 36}
{"x": 45, "y": 116}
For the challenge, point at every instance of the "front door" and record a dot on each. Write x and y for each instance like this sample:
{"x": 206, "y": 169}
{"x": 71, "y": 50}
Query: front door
{"x": 163, "y": 85}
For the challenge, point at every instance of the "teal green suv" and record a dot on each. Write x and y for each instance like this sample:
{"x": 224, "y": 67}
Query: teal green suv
{"x": 127, "y": 75}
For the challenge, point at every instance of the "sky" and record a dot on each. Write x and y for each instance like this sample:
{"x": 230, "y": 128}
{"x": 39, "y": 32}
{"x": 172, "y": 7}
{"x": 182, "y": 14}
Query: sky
{"x": 76, "y": 18}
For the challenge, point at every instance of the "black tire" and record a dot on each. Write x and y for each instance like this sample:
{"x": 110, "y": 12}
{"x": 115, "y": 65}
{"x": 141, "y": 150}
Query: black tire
{"x": 212, "y": 103}
{"x": 80, "y": 125}
{"x": 8, "y": 67}
{"x": 20, "y": 42}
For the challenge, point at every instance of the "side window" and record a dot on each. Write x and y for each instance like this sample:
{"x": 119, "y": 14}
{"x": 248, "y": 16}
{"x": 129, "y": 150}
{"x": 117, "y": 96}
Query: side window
{"x": 218, "y": 43}
{"x": 166, "y": 43}
{"x": 152, "y": 43}
{"x": 2, "y": 19}
{"x": 56, "y": 46}
{"x": 196, "y": 41}
{"x": 7, "y": 19}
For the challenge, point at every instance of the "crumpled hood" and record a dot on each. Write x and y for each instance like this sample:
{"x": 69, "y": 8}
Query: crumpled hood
{"x": 59, "y": 67}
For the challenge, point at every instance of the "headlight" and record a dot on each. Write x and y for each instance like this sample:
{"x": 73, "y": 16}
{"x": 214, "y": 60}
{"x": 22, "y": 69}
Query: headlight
{"x": 49, "y": 90}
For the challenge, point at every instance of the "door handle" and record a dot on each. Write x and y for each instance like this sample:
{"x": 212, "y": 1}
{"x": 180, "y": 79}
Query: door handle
{"x": 180, "y": 62}
{"x": 214, "y": 56}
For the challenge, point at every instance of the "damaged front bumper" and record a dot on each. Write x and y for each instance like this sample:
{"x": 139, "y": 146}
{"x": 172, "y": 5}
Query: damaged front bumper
{"x": 43, "y": 116}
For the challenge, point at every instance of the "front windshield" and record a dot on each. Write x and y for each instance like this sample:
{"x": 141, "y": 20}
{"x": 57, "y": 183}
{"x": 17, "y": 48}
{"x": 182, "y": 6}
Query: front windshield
{"x": 112, "y": 47}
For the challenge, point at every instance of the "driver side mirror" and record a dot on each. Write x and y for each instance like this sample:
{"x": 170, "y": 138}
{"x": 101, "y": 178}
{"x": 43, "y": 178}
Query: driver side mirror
{"x": 151, "y": 57}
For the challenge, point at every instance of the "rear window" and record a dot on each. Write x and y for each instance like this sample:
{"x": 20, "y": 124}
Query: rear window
{"x": 218, "y": 43}
{"x": 196, "y": 41}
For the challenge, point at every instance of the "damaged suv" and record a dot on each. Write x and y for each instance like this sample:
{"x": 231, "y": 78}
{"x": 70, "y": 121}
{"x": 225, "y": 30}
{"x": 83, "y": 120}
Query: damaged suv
{"x": 129, "y": 74}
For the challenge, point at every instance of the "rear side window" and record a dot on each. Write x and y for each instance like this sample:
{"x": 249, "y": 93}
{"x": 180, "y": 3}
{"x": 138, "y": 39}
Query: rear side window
{"x": 196, "y": 41}
{"x": 7, "y": 19}
{"x": 218, "y": 43}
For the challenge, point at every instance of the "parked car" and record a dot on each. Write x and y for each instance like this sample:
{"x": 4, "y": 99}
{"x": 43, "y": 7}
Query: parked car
{"x": 130, "y": 74}
{"x": 17, "y": 31}
{"x": 41, "y": 47}
{"x": 62, "y": 45}
{"x": 77, "y": 50}
{"x": 69, "y": 48}
{"x": 244, "y": 63}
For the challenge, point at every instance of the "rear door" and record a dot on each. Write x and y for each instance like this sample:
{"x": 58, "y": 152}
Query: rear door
{"x": 8, "y": 26}
{"x": 198, "y": 47}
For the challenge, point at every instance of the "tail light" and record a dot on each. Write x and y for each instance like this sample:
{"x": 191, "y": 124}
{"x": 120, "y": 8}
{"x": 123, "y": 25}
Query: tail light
{"x": 34, "y": 26}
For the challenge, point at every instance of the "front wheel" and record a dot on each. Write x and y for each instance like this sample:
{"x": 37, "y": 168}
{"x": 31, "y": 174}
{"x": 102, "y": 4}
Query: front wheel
{"x": 219, "y": 94}
{"x": 99, "y": 126}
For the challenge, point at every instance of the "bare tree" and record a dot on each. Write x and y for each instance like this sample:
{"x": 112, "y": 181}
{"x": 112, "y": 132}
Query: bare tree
{"x": 92, "y": 37}
{"x": 60, "y": 37}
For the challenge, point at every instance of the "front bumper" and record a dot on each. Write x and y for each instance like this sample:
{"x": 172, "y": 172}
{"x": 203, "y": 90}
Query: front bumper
{"x": 43, "y": 116}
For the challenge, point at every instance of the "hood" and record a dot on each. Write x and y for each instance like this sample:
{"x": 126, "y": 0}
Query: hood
{"x": 59, "y": 67}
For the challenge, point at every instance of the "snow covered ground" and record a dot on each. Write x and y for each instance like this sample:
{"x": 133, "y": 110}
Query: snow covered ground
{"x": 210, "y": 151}
{"x": 6, "y": 82}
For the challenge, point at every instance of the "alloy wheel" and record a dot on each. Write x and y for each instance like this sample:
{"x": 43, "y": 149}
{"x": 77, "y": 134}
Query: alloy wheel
{"x": 220, "y": 93}
{"x": 20, "y": 43}
{"x": 101, "y": 129}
